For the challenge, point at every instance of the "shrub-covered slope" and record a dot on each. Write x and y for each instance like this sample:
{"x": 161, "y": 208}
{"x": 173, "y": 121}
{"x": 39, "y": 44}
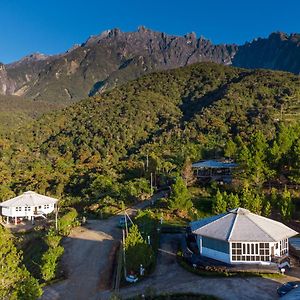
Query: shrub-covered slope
{"x": 169, "y": 115}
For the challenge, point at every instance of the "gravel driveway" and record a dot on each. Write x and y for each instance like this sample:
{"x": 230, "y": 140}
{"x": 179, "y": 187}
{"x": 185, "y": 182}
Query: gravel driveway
{"x": 88, "y": 258}
{"x": 170, "y": 277}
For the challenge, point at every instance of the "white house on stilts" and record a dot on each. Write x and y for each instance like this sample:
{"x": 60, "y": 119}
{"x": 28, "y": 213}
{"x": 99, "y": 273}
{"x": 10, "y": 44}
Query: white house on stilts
{"x": 241, "y": 237}
{"x": 27, "y": 206}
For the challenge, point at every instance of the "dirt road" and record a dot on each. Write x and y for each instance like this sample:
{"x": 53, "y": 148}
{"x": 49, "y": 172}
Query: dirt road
{"x": 170, "y": 277}
{"x": 88, "y": 258}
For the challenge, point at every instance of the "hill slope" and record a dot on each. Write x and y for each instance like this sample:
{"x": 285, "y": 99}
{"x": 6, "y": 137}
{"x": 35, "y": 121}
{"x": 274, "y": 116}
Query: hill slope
{"x": 170, "y": 115}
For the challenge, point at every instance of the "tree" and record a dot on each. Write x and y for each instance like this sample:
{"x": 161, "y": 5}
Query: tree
{"x": 187, "y": 172}
{"x": 267, "y": 208}
{"x": 136, "y": 250}
{"x": 246, "y": 198}
{"x": 233, "y": 201}
{"x": 15, "y": 281}
{"x": 219, "y": 204}
{"x": 286, "y": 205}
{"x": 180, "y": 198}
{"x": 230, "y": 149}
{"x": 255, "y": 205}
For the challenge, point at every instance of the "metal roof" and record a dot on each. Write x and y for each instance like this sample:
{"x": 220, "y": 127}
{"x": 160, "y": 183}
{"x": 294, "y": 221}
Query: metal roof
{"x": 29, "y": 199}
{"x": 241, "y": 225}
{"x": 214, "y": 164}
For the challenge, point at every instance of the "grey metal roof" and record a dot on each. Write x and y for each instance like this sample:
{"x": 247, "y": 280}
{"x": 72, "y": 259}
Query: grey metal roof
{"x": 29, "y": 199}
{"x": 241, "y": 225}
{"x": 214, "y": 164}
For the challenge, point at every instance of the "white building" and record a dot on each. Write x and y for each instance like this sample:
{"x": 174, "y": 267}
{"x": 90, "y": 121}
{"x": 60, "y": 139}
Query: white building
{"x": 29, "y": 205}
{"x": 241, "y": 237}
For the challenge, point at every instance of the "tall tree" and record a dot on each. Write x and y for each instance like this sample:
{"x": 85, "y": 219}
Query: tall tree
{"x": 137, "y": 250}
{"x": 187, "y": 172}
{"x": 233, "y": 201}
{"x": 286, "y": 205}
{"x": 180, "y": 198}
{"x": 219, "y": 203}
{"x": 230, "y": 149}
{"x": 15, "y": 281}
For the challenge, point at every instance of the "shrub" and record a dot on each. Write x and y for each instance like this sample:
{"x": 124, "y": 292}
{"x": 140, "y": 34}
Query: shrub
{"x": 52, "y": 239}
{"x": 137, "y": 250}
{"x": 67, "y": 221}
{"x": 49, "y": 262}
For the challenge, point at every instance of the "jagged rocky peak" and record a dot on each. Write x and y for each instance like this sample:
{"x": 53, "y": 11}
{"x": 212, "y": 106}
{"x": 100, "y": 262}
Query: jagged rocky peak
{"x": 191, "y": 36}
{"x": 2, "y": 66}
{"x": 75, "y": 46}
{"x": 34, "y": 57}
{"x": 280, "y": 36}
{"x": 110, "y": 33}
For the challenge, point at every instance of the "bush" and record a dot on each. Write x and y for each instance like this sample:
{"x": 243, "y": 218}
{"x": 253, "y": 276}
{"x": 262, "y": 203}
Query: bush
{"x": 49, "y": 262}
{"x": 67, "y": 221}
{"x": 137, "y": 250}
{"x": 52, "y": 239}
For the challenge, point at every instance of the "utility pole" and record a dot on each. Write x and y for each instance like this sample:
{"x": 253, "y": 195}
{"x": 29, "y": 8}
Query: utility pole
{"x": 56, "y": 216}
{"x": 125, "y": 218}
{"x": 147, "y": 162}
{"x": 124, "y": 258}
{"x": 151, "y": 183}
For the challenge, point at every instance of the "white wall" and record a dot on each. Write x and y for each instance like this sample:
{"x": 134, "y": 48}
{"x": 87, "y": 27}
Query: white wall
{"x": 11, "y": 211}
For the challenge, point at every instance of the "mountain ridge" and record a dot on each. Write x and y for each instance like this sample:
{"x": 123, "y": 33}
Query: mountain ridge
{"x": 114, "y": 57}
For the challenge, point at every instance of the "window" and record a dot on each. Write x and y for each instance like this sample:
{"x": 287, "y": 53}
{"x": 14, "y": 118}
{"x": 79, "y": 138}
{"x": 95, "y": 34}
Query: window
{"x": 27, "y": 208}
{"x": 250, "y": 252}
{"x": 283, "y": 247}
{"x": 46, "y": 206}
{"x": 18, "y": 208}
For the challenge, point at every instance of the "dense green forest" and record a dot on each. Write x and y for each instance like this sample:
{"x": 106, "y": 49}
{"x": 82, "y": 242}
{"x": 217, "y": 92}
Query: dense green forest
{"x": 97, "y": 149}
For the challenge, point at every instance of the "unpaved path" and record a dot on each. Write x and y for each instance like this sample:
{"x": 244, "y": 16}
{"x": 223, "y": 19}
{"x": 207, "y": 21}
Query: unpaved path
{"x": 87, "y": 261}
{"x": 88, "y": 258}
{"x": 170, "y": 277}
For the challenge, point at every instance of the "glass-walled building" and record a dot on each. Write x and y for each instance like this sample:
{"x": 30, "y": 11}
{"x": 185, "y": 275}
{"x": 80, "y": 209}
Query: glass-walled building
{"x": 239, "y": 237}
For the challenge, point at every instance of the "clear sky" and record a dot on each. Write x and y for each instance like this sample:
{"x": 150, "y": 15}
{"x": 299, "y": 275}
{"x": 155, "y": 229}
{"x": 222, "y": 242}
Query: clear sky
{"x": 53, "y": 26}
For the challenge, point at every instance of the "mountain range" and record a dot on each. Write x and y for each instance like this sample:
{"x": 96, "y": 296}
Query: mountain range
{"x": 114, "y": 57}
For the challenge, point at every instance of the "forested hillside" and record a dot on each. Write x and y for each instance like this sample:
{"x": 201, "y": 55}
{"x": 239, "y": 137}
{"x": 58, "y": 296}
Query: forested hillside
{"x": 98, "y": 147}
{"x": 16, "y": 111}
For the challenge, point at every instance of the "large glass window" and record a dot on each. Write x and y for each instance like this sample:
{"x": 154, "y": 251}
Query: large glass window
{"x": 283, "y": 247}
{"x": 250, "y": 251}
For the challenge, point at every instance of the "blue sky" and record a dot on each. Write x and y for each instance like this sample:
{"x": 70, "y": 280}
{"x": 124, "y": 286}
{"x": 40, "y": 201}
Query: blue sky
{"x": 54, "y": 26}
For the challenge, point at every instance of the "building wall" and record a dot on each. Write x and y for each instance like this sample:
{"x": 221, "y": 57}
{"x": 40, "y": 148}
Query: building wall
{"x": 213, "y": 248}
{"x": 221, "y": 256}
{"x": 27, "y": 211}
{"x": 227, "y": 252}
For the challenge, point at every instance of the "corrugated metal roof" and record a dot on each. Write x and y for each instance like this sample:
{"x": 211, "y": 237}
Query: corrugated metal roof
{"x": 241, "y": 225}
{"x": 29, "y": 199}
{"x": 214, "y": 164}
